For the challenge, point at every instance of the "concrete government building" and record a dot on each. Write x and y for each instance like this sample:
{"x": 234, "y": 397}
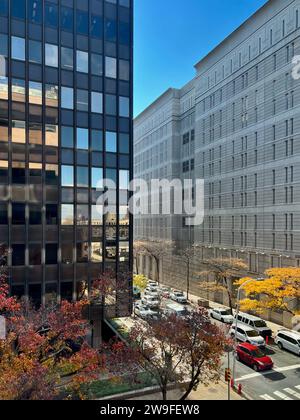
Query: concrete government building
{"x": 65, "y": 124}
{"x": 237, "y": 125}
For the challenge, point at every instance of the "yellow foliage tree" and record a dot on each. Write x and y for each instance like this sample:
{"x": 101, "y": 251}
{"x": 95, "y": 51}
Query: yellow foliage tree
{"x": 140, "y": 281}
{"x": 279, "y": 291}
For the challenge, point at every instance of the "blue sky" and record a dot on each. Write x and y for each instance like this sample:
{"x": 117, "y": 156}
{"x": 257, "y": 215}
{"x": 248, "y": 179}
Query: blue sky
{"x": 173, "y": 35}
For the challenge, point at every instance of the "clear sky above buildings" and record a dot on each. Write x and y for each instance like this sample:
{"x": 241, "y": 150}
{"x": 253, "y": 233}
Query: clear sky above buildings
{"x": 173, "y": 35}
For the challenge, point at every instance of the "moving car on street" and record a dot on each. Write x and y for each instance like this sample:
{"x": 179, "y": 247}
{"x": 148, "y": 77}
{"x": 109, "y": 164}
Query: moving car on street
{"x": 178, "y": 297}
{"x": 253, "y": 357}
{"x": 288, "y": 340}
{"x": 247, "y": 335}
{"x": 221, "y": 314}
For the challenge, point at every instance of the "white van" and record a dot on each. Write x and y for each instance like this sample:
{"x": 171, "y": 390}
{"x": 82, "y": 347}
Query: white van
{"x": 288, "y": 340}
{"x": 247, "y": 335}
{"x": 175, "y": 309}
{"x": 255, "y": 323}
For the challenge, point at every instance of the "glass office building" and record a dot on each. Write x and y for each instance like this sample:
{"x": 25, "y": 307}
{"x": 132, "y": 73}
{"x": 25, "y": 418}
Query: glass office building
{"x": 65, "y": 125}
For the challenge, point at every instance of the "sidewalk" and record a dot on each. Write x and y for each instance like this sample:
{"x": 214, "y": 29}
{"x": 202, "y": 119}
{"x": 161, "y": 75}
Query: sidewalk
{"x": 217, "y": 392}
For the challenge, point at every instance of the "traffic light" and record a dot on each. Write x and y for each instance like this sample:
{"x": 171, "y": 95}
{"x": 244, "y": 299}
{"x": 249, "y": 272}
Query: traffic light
{"x": 228, "y": 375}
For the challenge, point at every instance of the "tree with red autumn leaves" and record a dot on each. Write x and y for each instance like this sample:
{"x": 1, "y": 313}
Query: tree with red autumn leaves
{"x": 45, "y": 354}
{"x": 186, "y": 351}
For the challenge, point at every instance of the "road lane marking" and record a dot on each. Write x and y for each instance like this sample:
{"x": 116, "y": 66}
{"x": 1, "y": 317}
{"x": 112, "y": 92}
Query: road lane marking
{"x": 282, "y": 396}
{"x": 276, "y": 370}
{"x": 298, "y": 387}
{"x": 292, "y": 392}
{"x": 267, "y": 397}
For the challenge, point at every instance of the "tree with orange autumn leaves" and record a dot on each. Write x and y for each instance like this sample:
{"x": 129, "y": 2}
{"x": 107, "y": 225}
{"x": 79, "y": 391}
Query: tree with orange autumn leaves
{"x": 280, "y": 290}
{"x": 45, "y": 354}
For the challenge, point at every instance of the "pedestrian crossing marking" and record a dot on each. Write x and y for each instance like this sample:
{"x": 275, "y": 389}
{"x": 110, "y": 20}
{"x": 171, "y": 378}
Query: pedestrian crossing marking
{"x": 282, "y": 396}
{"x": 292, "y": 392}
{"x": 287, "y": 394}
{"x": 267, "y": 397}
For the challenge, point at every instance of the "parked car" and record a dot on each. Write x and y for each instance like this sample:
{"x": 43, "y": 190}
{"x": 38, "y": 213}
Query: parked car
{"x": 149, "y": 292}
{"x": 175, "y": 309}
{"x": 178, "y": 297}
{"x": 247, "y": 335}
{"x": 253, "y": 357}
{"x": 256, "y": 323}
{"x": 151, "y": 301}
{"x": 288, "y": 340}
{"x": 136, "y": 293}
{"x": 153, "y": 288}
{"x": 144, "y": 312}
{"x": 152, "y": 283}
{"x": 223, "y": 315}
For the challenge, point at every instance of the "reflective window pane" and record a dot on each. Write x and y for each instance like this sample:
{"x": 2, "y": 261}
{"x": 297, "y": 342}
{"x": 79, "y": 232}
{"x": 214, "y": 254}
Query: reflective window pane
{"x": 97, "y": 102}
{"x": 67, "y": 58}
{"x": 67, "y": 98}
{"x": 110, "y": 67}
{"x": 97, "y": 64}
{"x": 124, "y": 70}
{"x": 4, "y": 88}
{"x": 97, "y": 178}
{"x": 83, "y": 215}
{"x": 96, "y": 252}
{"x": 96, "y": 26}
{"x": 82, "y": 138}
{"x": 51, "y": 95}
{"x": 18, "y": 90}
{"x": 67, "y": 19}
{"x": 82, "y": 22}
{"x": 51, "y": 15}
{"x": 35, "y": 11}
{"x": 51, "y": 55}
{"x": 35, "y": 52}
{"x": 67, "y": 214}
{"x": 111, "y": 142}
{"x": 67, "y": 137}
{"x": 82, "y": 177}
{"x": 124, "y": 107}
{"x": 18, "y": 131}
{"x": 18, "y": 8}
{"x": 82, "y": 100}
{"x": 97, "y": 215}
{"x": 35, "y": 93}
{"x": 51, "y": 135}
{"x": 18, "y": 48}
{"x": 97, "y": 141}
{"x": 67, "y": 176}
{"x": 82, "y": 61}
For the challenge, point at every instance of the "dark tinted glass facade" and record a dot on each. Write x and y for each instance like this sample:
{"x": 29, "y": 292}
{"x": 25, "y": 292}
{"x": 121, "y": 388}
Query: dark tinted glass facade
{"x": 65, "y": 125}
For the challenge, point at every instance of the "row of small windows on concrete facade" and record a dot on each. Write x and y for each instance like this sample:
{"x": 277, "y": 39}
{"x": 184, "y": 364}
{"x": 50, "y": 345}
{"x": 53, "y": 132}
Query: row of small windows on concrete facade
{"x": 252, "y": 51}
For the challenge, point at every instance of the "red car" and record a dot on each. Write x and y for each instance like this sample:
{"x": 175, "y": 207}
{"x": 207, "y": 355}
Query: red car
{"x": 253, "y": 357}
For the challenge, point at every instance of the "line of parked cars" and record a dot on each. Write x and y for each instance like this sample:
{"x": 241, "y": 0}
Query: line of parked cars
{"x": 152, "y": 303}
{"x": 253, "y": 332}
